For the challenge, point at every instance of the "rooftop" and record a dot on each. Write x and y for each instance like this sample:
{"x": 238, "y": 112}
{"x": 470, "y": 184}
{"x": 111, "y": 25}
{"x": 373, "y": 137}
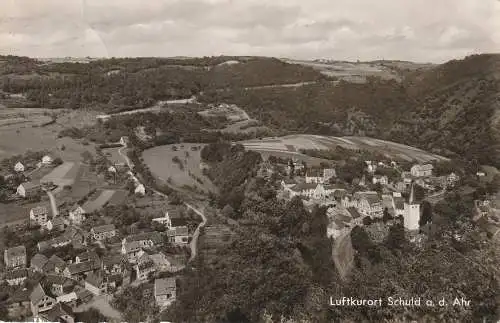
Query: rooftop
{"x": 104, "y": 228}
{"x": 17, "y": 251}
{"x": 164, "y": 286}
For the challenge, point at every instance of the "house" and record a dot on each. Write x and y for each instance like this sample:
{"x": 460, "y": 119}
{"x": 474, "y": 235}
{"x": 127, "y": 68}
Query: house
{"x": 311, "y": 190}
{"x": 57, "y": 224}
{"x": 112, "y": 169}
{"x": 40, "y": 301}
{"x": 144, "y": 267}
{"x": 78, "y": 271}
{"x": 370, "y": 204}
{"x": 140, "y": 189}
{"x": 28, "y": 189}
{"x": 58, "y": 285}
{"x": 178, "y": 235}
{"x": 124, "y": 141}
{"x": 398, "y": 203}
{"x": 424, "y": 170}
{"x": 357, "y": 218}
{"x": 480, "y": 174}
{"x": 19, "y": 167}
{"x": 57, "y": 242}
{"x": 39, "y": 216}
{"x": 133, "y": 250}
{"x": 58, "y": 313}
{"x": 91, "y": 256}
{"x": 38, "y": 262}
{"x": 77, "y": 215}
{"x": 161, "y": 262}
{"x": 95, "y": 283}
{"x": 380, "y": 179}
{"x": 54, "y": 265}
{"x": 132, "y": 245}
{"x": 112, "y": 264}
{"x": 16, "y": 277}
{"x": 320, "y": 176}
{"x": 47, "y": 160}
{"x": 370, "y": 166}
{"x": 164, "y": 291}
{"x": 295, "y": 166}
{"x": 103, "y": 232}
{"x": 452, "y": 179}
{"x": 288, "y": 183}
{"x": 15, "y": 257}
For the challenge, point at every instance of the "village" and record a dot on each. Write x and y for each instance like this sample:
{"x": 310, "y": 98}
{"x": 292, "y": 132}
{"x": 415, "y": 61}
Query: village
{"x": 62, "y": 258}
{"x": 374, "y": 200}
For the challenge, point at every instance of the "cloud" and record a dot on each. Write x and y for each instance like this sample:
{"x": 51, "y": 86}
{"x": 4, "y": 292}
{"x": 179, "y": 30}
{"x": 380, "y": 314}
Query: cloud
{"x": 421, "y": 30}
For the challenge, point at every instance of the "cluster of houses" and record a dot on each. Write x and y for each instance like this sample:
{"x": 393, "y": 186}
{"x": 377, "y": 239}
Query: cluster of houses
{"x": 316, "y": 186}
{"x": 57, "y": 287}
{"x": 61, "y": 285}
{"x": 487, "y": 216}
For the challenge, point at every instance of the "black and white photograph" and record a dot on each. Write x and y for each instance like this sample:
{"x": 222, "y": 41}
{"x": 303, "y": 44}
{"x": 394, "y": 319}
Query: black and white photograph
{"x": 250, "y": 161}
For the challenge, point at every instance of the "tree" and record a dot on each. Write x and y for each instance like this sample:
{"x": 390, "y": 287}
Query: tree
{"x": 426, "y": 214}
{"x": 396, "y": 238}
{"x": 387, "y": 216}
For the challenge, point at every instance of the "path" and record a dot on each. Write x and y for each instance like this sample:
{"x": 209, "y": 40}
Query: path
{"x": 53, "y": 204}
{"x": 194, "y": 241}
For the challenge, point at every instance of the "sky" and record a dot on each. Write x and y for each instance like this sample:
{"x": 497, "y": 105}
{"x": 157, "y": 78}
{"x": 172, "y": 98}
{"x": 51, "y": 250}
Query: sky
{"x": 416, "y": 30}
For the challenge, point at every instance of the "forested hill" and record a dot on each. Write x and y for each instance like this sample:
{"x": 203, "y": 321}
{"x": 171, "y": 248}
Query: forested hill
{"x": 450, "y": 109}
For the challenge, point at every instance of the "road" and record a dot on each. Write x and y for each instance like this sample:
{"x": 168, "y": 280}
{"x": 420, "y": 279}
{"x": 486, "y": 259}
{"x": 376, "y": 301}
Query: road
{"x": 194, "y": 241}
{"x": 53, "y": 204}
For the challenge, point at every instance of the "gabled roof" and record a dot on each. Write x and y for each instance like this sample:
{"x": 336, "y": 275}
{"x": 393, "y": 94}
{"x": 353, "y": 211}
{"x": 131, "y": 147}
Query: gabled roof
{"x": 39, "y": 260}
{"x": 353, "y": 212}
{"x": 57, "y": 312}
{"x": 81, "y": 267}
{"x": 399, "y": 202}
{"x": 95, "y": 279}
{"x": 424, "y": 167}
{"x": 30, "y": 185}
{"x": 314, "y": 172}
{"x": 18, "y": 251}
{"x": 39, "y": 210}
{"x": 57, "y": 221}
{"x": 54, "y": 262}
{"x": 37, "y": 294}
{"x": 112, "y": 260}
{"x": 20, "y": 295}
{"x": 104, "y": 228}
{"x": 178, "y": 231}
{"x": 304, "y": 186}
{"x": 164, "y": 286}
{"x": 154, "y": 236}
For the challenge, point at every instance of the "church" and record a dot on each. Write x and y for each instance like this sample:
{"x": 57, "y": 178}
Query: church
{"x": 411, "y": 214}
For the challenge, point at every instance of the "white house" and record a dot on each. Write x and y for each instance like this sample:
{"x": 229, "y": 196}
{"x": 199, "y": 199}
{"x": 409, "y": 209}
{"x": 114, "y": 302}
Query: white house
{"x": 124, "y": 141}
{"x": 47, "y": 160}
{"x": 57, "y": 223}
{"x": 140, "y": 189}
{"x": 382, "y": 179}
{"x": 311, "y": 190}
{"x": 370, "y": 166}
{"x": 370, "y": 205}
{"x": 39, "y": 216}
{"x": 165, "y": 291}
{"x": 77, "y": 215}
{"x": 421, "y": 170}
{"x": 316, "y": 175}
{"x": 40, "y": 301}
{"x": 178, "y": 235}
{"x": 102, "y": 232}
{"x": 28, "y": 189}
{"x": 19, "y": 167}
{"x": 112, "y": 169}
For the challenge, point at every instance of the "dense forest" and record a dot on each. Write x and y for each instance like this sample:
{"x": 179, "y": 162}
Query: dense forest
{"x": 279, "y": 265}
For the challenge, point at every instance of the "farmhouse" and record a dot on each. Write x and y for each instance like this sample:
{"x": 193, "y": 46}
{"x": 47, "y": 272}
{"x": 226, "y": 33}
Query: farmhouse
{"x": 47, "y": 160}
{"x": 77, "y": 215}
{"x": 28, "y": 189}
{"x": 144, "y": 267}
{"x": 178, "y": 235}
{"x": 19, "y": 167}
{"x": 40, "y": 301}
{"x": 367, "y": 203}
{"x": 103, "y": 232}
{"x": 421, "y": 170}
{"x": 39, "y": 216}
{"x": 164, "y": 291}
{"x": 112, "y": 264}
{"x": 132, "y": 245}
{"x": 38, "y": 262}
{"x": 15, "y": 257}
{"x": 311, "y": 190}
{"x": 318, "y": 175}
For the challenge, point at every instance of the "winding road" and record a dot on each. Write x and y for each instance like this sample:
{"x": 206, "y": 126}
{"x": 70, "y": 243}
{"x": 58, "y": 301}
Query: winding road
{"x": 194, "y": 241}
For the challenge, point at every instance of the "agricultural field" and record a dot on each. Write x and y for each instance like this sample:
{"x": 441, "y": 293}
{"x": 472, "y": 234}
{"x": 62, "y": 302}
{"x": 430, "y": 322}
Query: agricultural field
{"x": 290, "y": 146}
{"x": 114, "y": 156}
{"x": 17, "y": 213}
{"x": 24, "y": 129}
{"x": 160, "y": 162}
{"x": 103, "y": 197}
{"x": 62, "y": 175}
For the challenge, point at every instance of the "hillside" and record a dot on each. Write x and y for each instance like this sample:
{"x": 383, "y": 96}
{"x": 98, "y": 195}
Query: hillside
{"x": 450, "y": 109}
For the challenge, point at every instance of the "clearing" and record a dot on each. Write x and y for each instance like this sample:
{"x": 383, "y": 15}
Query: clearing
{"x": 160, "y": 162}
{"x": 290, "y": 145}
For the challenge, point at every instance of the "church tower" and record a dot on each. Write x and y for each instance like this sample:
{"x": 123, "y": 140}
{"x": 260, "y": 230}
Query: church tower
{"x": 411, "y": 212}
